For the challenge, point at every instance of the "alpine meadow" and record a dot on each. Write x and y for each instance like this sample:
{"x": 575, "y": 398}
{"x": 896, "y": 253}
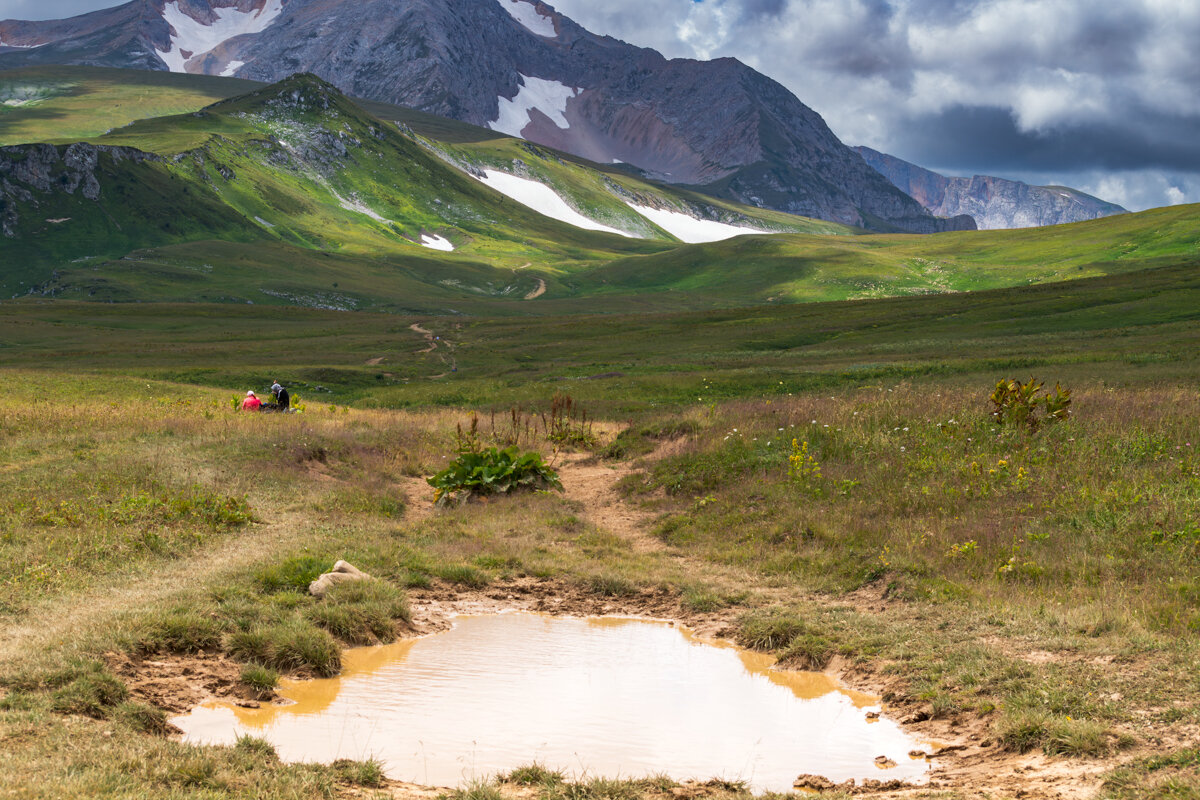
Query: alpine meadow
{"x": 546, "y": 343}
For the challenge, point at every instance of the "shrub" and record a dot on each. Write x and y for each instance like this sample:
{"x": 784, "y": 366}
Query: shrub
{"x": 1017, "y": 404}
{"x": 492, "y": 471}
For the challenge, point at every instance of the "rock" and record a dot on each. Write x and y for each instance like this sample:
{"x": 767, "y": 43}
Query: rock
{"x": 883, "y": 762}
{"x": 342, "y": 573}
{"x": 815, "y": 782}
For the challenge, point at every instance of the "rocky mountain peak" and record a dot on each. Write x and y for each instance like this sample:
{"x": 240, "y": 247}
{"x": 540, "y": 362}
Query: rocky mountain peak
{"x": 519, "y": 67}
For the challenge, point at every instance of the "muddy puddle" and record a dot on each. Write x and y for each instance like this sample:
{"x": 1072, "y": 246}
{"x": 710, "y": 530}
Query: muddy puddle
{"x": 592, "y": 697}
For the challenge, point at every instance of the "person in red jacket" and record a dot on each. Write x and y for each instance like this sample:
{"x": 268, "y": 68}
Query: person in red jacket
{"x": 251, "y": 403}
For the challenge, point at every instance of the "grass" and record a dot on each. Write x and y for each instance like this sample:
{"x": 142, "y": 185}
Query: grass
{"x": 1041, "y": 582}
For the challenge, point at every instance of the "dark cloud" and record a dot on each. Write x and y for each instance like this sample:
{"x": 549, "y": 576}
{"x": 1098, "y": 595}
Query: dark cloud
{"x": 764, "y": 8}
{"x": 988, "y": 140}
{"x": 1107, "y": 91}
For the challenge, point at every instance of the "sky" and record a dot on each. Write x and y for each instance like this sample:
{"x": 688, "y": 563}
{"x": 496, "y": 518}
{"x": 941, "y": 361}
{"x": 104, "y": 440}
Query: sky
{"x": 1101, "y": 95}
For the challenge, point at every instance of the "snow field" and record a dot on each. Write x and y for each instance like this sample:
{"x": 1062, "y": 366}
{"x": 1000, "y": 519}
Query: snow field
{"x": 197, "y": 38}
{"x": 549, "y": 97}
{"x": 436, "y": 243}
{"x": 688, "y": 229}
{"x": 544, "y": 200}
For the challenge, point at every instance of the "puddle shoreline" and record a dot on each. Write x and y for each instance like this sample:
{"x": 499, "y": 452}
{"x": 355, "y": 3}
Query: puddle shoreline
{"x": 594, "y": 651}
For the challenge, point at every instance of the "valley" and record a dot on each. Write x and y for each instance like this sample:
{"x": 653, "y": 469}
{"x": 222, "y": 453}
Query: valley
{"x": 783, "y": 441}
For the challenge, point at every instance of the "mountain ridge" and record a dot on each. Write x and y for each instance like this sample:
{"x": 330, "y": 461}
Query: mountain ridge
{"x": 994, "y": 203}
{"x": 717, "y": 126}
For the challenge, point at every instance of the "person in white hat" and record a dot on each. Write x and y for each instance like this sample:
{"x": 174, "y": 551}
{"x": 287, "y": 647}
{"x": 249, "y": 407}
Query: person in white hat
{"x": 251, "y": 403}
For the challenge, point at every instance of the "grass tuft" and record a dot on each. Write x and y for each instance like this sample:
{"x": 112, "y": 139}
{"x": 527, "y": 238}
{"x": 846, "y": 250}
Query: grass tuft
{"x": 535, "y": 774}
{"x": 262, "y": 680}
{"x": 294, "y": 574}
{"x": 290, "y": 645}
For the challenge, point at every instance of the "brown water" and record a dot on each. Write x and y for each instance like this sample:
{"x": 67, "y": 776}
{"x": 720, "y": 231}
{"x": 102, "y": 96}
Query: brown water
{"x": 593, "y": 697}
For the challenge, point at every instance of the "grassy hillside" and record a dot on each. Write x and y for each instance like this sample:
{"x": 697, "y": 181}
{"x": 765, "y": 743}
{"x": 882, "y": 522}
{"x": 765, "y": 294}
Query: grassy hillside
{"x": 337, "y": 201}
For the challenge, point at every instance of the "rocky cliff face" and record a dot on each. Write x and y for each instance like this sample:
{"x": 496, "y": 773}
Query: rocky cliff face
{"x": 995, "y": 203}
{"x": 29, "y": 174}
{"x": 516, "y": 66}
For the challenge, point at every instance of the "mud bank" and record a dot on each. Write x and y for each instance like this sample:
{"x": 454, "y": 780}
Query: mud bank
{"x": 966, "y": 758}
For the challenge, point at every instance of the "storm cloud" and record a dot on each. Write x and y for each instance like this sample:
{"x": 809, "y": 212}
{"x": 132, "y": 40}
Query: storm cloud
{"x": 1101, "y": 96}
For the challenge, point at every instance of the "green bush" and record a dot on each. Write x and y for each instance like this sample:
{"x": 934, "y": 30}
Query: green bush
{"x": 1017, "y": 404}
{"x": 492, "y": 470}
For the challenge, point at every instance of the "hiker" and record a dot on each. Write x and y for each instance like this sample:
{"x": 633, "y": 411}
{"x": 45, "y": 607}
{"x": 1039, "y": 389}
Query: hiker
{"x": 283, "y": 401}
{"x": 251, "y": 403}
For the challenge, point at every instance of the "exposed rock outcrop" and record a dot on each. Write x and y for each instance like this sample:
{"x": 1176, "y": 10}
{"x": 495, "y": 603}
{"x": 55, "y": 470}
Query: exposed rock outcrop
{"x": 29, "y": 173}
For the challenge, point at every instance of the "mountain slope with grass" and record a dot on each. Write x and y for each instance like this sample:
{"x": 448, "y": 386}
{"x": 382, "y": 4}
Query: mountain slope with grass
{"x": 516, "y": 66}
{"x": 294, "y": 194}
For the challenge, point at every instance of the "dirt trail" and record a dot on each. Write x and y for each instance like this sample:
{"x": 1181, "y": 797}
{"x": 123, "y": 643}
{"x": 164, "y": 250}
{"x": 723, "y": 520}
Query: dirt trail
{"x": 538, "y": 292}
{"x": 433, "y": 345}
{"x": 594, "y": 484}
{"x": 70, "y": 616}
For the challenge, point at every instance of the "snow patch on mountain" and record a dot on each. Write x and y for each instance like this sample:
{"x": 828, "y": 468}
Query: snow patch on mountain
{"x": 434, "y": 242}
{"x": 196, "y": 38}
{"x": 688, "y": 229}
{"x": 527, "y": 14}
{"x": 548, "y": 97}
{"x": 232, "y": 67}
{"x": 544, "y": 200}
{"x": 19, "y": 46}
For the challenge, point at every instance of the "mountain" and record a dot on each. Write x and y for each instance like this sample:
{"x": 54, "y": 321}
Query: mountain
{"x": 995, "y": 203}
{"x": 293, "y": 194}
{"x": 516, "y": 66}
